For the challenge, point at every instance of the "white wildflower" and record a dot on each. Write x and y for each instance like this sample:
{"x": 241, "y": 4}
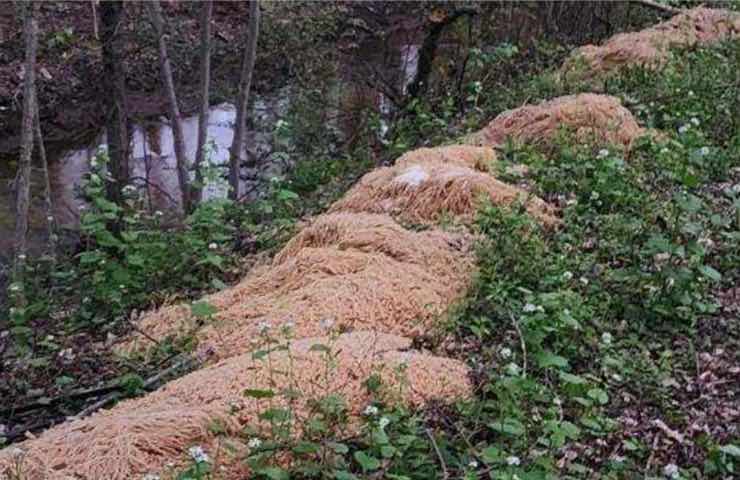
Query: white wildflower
{"x": 150, "y": 476}
{"x": 94, "y": 177}
{"x": 618, "y": 459}
{"x": 695, "y": 121}
{"x": 704, "y": 151}
{"x": 505, "y": 352}
{"x": 603, "y": 153}
{"x": 93, "y": 163}
{"x": 671, "y": 471}
{"x": 606, "y": 338}
{"x": 16, "y": 452}
{"x": 122, "y": 287}
{"x": 473, "y": 464}
{"x": 158, "y": 213}
{"x": 49, "y": 218}
{"x": 263, "y": 327}
{"x": 15, "y": 287}
{"x": 384, "y": 422}
{"x": 513, "y": 460}
{"x": 557, "y": 401}
{"x": 671, "y": 281}
{"x": 21, "y": 256}
{"x": 594, "y": 195}
{"x": 49, "y": 338}
{"x": 691, "y": 93}
{"x": 616, "y": 377}
{"x": 683, "y": 129}
{"x": 583, "y": 280}
{"x": 289, "y": 325}
{"x": 326, "y": 323}
{"x": 86, "y": 300}
{"x": 198, "y": 454}
{"x": 529, "y": 308}
{"x": 212, "y": 246}
{"x": 82, "y": 207}
{"x": 664, "y": 150}
{"x": 568, "y": 276}
{"x": 370, "y": 411}
{"x": 254, "y": 443}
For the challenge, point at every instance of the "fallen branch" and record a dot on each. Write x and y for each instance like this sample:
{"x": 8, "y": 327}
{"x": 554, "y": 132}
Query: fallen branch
{"x": 114, "y": 395}
{"x": 148, "y": 384}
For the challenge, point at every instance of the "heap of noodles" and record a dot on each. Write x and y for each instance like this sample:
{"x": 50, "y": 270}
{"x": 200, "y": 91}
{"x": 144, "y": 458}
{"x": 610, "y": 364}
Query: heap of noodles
{"x": 356, "y": 271}
{"x": 209, "y": 408}
{"x": 426, "y": 186}
{"x": 590, "y": 117}
{"x": 651, "y": 47}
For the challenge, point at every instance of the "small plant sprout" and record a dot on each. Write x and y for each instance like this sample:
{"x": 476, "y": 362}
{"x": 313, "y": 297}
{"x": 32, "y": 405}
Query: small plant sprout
{"x": 198, "y": 454}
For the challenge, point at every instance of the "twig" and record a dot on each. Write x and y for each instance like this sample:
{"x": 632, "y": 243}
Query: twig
{"x": 522, "y": 342}
{"x": 658, "y": 6}
{"x": 445, "y": 473}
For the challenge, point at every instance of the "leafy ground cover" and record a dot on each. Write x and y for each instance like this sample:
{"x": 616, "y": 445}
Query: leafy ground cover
{"x": 603, "y": 349}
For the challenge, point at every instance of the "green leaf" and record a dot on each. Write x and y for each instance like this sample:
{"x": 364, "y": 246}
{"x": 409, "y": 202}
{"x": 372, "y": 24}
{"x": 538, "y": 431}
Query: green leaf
{"x": 549, "y": 359}
{"x": 367, "y": 462}
{"x": 491, "y": 455}
{"x": 733, "y": 450}
{"x": 203, "y": 309}
{"x": 599, "y": 395}
{"x": 257, "y": 393}
{"x": 710, "y": 273}
{"x": 344, "y": 475}
{"x": 274, "y": 473}
{"x": 512, "y": 426}
{"x": 570, "y": 378}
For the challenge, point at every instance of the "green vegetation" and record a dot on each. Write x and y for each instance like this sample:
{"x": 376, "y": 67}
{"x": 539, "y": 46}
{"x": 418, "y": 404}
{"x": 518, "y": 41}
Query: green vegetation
{"x": 591, "y": 344}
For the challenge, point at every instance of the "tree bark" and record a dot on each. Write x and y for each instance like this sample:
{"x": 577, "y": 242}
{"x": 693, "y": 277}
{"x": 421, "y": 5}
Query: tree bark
{"x": 23, "y": 177}
{"x": 245, "y": 82}
{"x": 114, "y": 88}
{"x": 205, "y": 84}
{"x": 165, "y": 69}
{"x": 48, "y": 205}
{"x": 428, "y": 51}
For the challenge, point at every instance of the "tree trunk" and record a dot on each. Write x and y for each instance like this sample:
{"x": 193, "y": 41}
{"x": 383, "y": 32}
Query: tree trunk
{"x": 245, "y": 82}
{"x": 48, "y": 205}
{"x": 165, "y": 69}
{"x": 114, "y": 87}
{"x": 205, "y": 84}
{"x": 428, "y": 51}
{"x": 23, "y": 177}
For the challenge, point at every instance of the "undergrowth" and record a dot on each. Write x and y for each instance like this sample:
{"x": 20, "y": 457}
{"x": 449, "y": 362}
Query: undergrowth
{"x": 590, "y": 344}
